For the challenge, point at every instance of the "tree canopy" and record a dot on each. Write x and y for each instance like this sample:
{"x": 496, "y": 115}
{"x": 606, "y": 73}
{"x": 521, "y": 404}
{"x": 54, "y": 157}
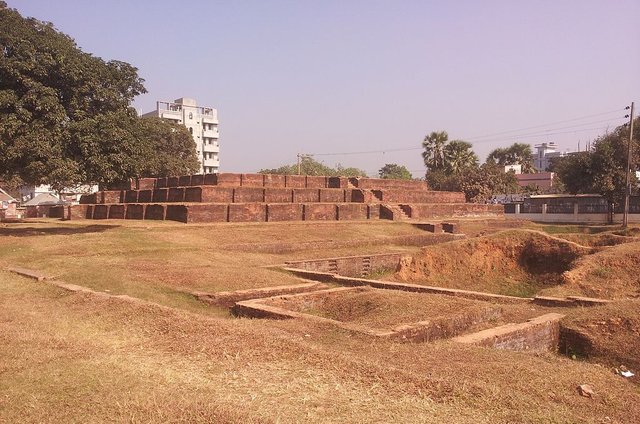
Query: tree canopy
{"x": 310, "y": 166}
{"x": 602, "y": 169}
{"x": 395, "y": 172}
{"x": 65, "y": 114}
{"x": 516, "y": 154}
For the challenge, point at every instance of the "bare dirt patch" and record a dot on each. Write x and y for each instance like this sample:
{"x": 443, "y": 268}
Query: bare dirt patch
{"x": 515, "y": 262}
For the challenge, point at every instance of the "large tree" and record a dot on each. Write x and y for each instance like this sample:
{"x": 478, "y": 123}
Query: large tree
{"x": 395, "y": 172}
{"x": 516, "y": 154}
{"x": 601, "y": 170}
{"x": 65, "y": 116}
{"x": 458, "y": 156}
{"x": 433, "y": 154}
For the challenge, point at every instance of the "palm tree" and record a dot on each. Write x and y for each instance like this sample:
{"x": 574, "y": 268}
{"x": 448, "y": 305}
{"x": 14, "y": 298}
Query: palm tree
{"x": 458, "y": 155}
{"x": 433, "y": 154}
{"x": 516, "y": 154}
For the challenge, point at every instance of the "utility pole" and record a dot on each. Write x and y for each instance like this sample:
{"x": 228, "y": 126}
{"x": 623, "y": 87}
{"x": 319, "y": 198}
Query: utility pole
{"x": 627, "y": 185}
{"x": 298, "y": 163}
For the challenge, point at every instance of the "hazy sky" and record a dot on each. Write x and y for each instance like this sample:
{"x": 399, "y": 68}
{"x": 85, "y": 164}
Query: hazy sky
{"x": 299, "y": 76}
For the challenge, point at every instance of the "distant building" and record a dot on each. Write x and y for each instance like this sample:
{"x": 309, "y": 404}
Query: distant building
{"x": 544, "y": 180}
{"x": 517, "y": 169}
{"x": 202, "y": 123}
{"x": 545, "y": 153}
{"x": 70, "y": 195}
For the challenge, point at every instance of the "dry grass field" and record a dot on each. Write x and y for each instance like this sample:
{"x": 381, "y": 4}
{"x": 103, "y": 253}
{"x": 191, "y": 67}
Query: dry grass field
{"x": 162, "y": 356}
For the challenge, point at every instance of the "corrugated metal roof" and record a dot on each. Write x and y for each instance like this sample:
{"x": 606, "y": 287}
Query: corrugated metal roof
{"x": 43, "y": 199}
{"x": 4, "y": 196}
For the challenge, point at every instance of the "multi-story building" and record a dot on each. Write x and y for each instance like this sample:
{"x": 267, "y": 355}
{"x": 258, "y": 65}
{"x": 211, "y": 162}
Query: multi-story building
{"x": 202, "y": 123}
{"x": 545, "y": 152}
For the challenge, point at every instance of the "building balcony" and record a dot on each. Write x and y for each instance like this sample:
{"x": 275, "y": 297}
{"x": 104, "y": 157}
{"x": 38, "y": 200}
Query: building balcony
{"x": 210, "y": 133}
{"x": 211, "y": 148}
{"x": 211, "y": 162}
{"x": 210, "y": 118}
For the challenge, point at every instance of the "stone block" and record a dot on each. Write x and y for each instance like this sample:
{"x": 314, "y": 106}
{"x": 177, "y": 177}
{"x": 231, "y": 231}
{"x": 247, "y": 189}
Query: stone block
{"x": 145, "y": 196}
{"x": 100, "y": 212}
{"x": 278, "y": 195}
{"x": 134, "y": 211}
{"x": 313, "y": 181}
{"x": 252, "y": 180}
{"x": 80, "y": 212}
{"x": 173, "y": 181}
{"x": 306, "y": 195}
{"x": 214, "y": 194}
{"x": 184, "y": 180}
{"x": 295, "y": 181}
{"x": 117, "y": 211}
{"x": 176, "y": 194}
{"x": 229, "y": 180}
{"x": 207, "y": 213}
{"x": 154, "y": 212}
{"x": 275, "y": 181}
{"x": 248, "y": 195}
{"x": 160, "y": 195}
{"x": 247, "y": 212}
{"x": 331, "y": 195}
{"x": 284, "y": 212}
{"x": 320, "y": 212}
{"x": 373, "y": 210}
{"x": 353, "y": 211}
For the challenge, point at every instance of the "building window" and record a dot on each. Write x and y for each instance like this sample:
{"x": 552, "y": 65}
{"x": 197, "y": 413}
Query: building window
{"x": 190, "y": 130}
{"x": 190, "y": 115}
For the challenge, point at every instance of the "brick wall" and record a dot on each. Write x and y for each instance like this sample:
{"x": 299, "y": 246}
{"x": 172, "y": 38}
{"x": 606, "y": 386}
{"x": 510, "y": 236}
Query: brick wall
{"x": 88, "y": 199}
{"x": 320, "y": 212}
{"x": 332, "y": 195}
{"x": 146, "y": 183}
{"x": 284, "y": 212}
{"x": 173, "y": 181}
{"x": 229, "y": 180}
{"x": 100, "y": 212}
{"x": 154, "y": 212}
{"x": 184, "y": 180}
{"x": 160, "y": 195}
{"x": 275, "y": 181}
{"x": 134, "y": 211}
{"x": 131, "y": 196}
{"x": 252, "y": 180}
{"x": 380, "y": 183}
{"x": 278, "y": 195}
{"x": 247, "y": 212}
{"x": 176, "y": 194}
{"x": 337, "y": 182}
{"x": 145, "y": 196}
{"x": 457, "y": 209}
{"x": 210, "y": 179}
{"x": 161, "y": 182}
{"x": 414, "y": 196}
{"x": 302, "y": 195}
{"x": 295, "y": 181}
{"x": 111, "y": 196}
{"x": 197, "y": 180}
{"x": 117, "y": 211}
{"x": 81, "y": 212}
{"x": 352, "y": 211}
{"x": 313, "y": 181}
{"x": 248, "y": 195}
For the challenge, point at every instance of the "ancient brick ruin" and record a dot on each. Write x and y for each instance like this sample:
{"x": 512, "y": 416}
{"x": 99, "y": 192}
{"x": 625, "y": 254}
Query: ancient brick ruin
{"x": 230, "y": 197}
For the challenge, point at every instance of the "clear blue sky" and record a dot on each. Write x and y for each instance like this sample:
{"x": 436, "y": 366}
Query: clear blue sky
{"x": 331, "y": 76}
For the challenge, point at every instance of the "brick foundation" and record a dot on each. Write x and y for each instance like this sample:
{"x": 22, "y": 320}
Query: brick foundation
{"x": 320, "y": 212}
{"x": 247, "y": 212}
{"x": 252, "y": 180}
{"x": 154, "y": 212}
{"x": 274, "y": 181}
{"x": 248, "y": 195}
{"x": 278, "y": 195}
{"x": 100, "y": 212}
{"x": 176, "y": 194}
{"x": 160, "y": 195}
{"x": 134, "y": 211}
{"x": 306, "y": 195}
{"x": 117, "y": 211}
{"x": 284, "y": 212}
{"x": 352, "y": 211}
{"x": 331, "y": 195}
{"x": 295, "y": 181}
{"x": 145, "y": 196}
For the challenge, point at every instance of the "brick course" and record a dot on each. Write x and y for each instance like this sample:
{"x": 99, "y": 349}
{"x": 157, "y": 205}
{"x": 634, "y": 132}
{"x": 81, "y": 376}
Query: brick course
{"x": 278, "y": 195}
{"x": 247, "y": 212}
{"x": 248, "y": 195}
{"x": 320, "y": 212}
{"x": 284, "y": 212}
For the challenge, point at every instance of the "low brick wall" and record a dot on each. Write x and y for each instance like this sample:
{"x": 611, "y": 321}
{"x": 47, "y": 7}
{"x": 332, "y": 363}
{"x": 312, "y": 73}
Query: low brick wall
{"x": 197, "y": 180}
{"x": 541, "y": 334}
{"x": 284, "y": 212}
{"x": 247, "y": 212}
{"x": 112, "y": 196}
{"x": 161, "y": 182}
{"x": 320, "y": 212}
{"x": 418, "y": 211}
{"x": 100, "y": 212}
{"x": 248, "y": 195}
{"x": 117, "y": 211}
{"x": 134, "y": 211}
{"x": 154, "y": 212}
{"x": 229, "y": 180}
{"x": 184, "y": 180}
{"x": 173, "y": 181}
{"x": 352, "y": 211}
{"x": 332, "y": 195}
{"x": 252, "y": 180}
{"x": 131, "y": 196}
{"x": 304, "y": 195}
{"x": 274, "y": 181}
{"x": 381, "y": 183}
{"x": 197, "y": 213}
{"x": 295, "y": 181}
{"x": 176, "y": 194}
{"x": 88, "y": 199}
{"x": 81, "y": 212}
{"x": 210, "y": 179}
{"x": 350, "y": 266}
{"x": 374, "y": 211}
{"x": 315, "y": 181}
{"x": 145, "y": 196}
{"x": 146, "y": 183}
{"x": 160, "y": 195}
{"x": 337, "y": 182}
{"x": 278, "y": 195}
{"x": 415, "y": 196}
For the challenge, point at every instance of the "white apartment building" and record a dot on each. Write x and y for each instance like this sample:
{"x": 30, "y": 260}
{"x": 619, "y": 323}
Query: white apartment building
{"x": 545, "y": 152}
{"x": 202, "y": 123}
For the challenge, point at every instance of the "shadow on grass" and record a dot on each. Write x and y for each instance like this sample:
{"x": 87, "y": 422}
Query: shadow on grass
{"x": 58, "y": 231}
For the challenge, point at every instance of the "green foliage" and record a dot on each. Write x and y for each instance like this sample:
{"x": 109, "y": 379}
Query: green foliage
{"x": 478, "y": 184}
{"x": 170, "y": 149}
{"x": 395, "y": 172}
{"x": 64, "y": 114}
{"x": 433, "y": 154}
{"x": 516, "y": 154}
{"x": 601, "y": 170}
{"x": 459, "y": 156}
{"x": 310, "y": 166}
